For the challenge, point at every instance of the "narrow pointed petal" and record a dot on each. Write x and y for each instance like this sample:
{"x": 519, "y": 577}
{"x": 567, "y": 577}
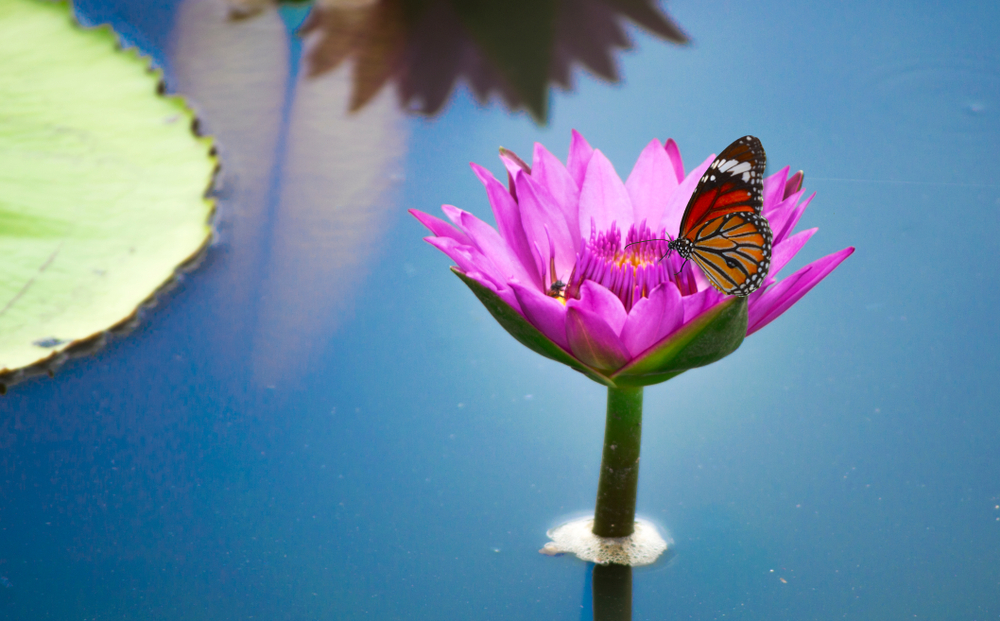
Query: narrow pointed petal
{"x": 539, "y": 212}
{"x": 794, "y": 184}
{"x": 597, "y": 299}
{"x": 785, "y": 218}
{"x": 783, "y": 295}
{"x": 787, "y": 249}
{"x": 603, "y": 198}
{"x": 505, "y": 294}
{"x": 540, "y": 261}
{"x": 580, "y": 153}
{"x": 548, "y": 171}
{"x": 653, "y": 318}
{"x": 678, "y": 202}
{"x": 469, "y": 260}
{"x": 489, "y": 242}
{"x": 508, "y": 217}
{"x": 651, "y": 184}
{"x": 545, "y": 313}
{"x": 513, "y": 164}
{"x": 440, "y": 228}
{"x": 454, "y": 214}
{"x": 674, "y": 154}
{"x": 774, "y": 186}
{"x": 593, "y": 341}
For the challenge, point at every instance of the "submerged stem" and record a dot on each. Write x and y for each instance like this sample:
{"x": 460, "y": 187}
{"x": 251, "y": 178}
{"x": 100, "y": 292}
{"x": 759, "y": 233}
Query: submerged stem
{"x": 612, "y": 585}
{"x": 614, "y": 515}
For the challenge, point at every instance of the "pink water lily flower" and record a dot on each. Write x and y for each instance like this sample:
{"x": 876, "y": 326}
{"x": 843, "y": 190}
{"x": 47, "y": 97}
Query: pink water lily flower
{"x": 557, "y": 275}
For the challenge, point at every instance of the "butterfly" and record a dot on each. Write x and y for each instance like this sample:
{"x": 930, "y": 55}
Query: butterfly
{"x": 722, "y": 229}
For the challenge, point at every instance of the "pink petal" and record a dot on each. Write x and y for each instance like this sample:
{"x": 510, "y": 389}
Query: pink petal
{"x": 440, "y": 228}
{"x": 673, "y": 319}
{"x": 489, "y": 242}
{"x": 782, "y": 296}
{"x": 508, "y": 217}
{"x": 541, "y": 218}
{"x": 695, "y": 305}
{"x": 674, "y": 154}
{"x": 678, "y": 202}
{"x": 786, "y": 216}
{"x": 454, "y": 214}
{"x": 579, "y": 157}
{"x": 774, "y": 187}
{"x": 545, "y": 313}
{"x": 653, "y": 318}
{"x": 548, "y": 171}
{"x": 541, "y": 261}
{"x": 469, "y": 260}
{"x": 506, "y": 294}
{"x": 794, "y": 184}
{"x": 783, "y": 252}
{"x": 595, "y": 298}
{"x": 513, "y": 164}
{"x": 593, "y": 342}
{"x": 650, "y": 184}
{"x": 603, "y": 198}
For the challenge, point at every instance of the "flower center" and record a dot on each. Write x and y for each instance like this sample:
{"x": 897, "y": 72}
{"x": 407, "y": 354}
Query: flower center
{"x": 630, "y": 270}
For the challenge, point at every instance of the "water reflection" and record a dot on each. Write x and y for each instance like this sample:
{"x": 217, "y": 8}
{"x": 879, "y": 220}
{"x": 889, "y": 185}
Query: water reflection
{"x": 305, "y": 186}
{"x": 511, "y": 49}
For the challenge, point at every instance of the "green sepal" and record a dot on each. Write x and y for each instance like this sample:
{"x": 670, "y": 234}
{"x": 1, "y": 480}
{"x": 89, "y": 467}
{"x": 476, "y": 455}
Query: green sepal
{"x": 709, "y": 338}
{"x": 525, "y": 333}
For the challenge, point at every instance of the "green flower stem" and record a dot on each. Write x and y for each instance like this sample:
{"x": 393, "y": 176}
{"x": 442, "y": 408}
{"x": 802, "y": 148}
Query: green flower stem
{"x": 612, "y": 587}
{"x": 614, "y": 515}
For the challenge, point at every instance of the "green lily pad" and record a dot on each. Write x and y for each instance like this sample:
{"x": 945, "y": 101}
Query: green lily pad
{"x": 102, "y": 184}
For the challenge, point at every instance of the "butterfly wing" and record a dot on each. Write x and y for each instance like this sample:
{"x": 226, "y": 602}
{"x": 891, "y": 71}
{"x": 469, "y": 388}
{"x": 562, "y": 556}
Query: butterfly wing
{"x": 733, "y": 183}
{"x": 725, "y": 233}
{"x": 734, "y": 251}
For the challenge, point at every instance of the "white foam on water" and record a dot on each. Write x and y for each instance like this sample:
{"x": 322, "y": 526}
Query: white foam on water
{"x": 640, "y": 548}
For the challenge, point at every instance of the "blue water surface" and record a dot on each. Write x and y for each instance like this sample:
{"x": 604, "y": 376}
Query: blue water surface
{"x": 322, "y": 422}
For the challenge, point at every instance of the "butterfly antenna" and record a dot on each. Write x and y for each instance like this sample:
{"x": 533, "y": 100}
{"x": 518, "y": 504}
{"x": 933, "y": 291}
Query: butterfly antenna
{"x": 643, "y": 241}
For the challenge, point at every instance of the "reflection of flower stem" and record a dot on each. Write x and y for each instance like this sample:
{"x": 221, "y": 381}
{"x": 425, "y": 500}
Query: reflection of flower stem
{"x": 614, "y": 515}
{"x": 612, "y": 592}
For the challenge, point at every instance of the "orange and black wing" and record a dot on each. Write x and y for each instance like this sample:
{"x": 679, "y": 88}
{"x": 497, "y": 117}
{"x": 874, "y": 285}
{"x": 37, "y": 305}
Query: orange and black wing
{"x": 734, "y": 183}
{"x": 723, "y": 229}
{"x": 734, "y": 251}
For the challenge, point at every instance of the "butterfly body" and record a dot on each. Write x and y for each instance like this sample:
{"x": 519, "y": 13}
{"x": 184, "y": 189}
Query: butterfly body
{"x": 722, "y": 229}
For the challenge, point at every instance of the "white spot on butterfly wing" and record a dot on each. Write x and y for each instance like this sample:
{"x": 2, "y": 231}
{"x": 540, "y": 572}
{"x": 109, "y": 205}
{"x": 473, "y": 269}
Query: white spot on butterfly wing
{"x": 725, "y": 165}
{"x": 741, "y": 169}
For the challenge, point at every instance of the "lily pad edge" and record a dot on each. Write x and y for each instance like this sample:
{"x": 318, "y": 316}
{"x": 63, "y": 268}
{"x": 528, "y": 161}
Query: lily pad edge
{"x": 88, "y": 345}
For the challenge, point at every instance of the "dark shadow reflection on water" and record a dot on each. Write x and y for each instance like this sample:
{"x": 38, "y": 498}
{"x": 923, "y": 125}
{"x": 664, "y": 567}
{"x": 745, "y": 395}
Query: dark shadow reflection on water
{"x": 512, "y": 49}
